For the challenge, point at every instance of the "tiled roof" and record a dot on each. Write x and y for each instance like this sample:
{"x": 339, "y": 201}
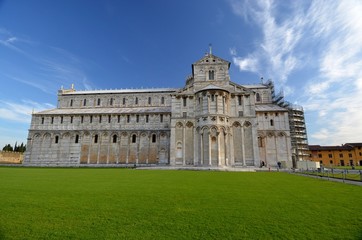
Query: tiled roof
{"x": 142, "y": 90}
{"x": 320, "y": 148}
{"x": 101, "y": 110}
{"x": 354, "y": 144}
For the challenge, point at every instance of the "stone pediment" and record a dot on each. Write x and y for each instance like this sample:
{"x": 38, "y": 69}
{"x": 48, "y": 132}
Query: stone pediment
{"x": 212, "y": 87}
{"x": 211, "y": 59}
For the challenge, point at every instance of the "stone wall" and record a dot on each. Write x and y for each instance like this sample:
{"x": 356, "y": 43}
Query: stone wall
{"x": 11, "y": 157}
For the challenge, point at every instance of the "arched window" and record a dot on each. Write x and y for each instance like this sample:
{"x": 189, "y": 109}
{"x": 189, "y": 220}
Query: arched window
{"x": 77, "y": 138}
{"x": 162, "y": 100}
{"x": 114, "y": 138}
{"x": 99, "y": 101}
{"x": 149, "y": 100}
{"x": 134, "y": 138}
{"x": 257, "y": 97}
{"x": 111, "y": 102}
{"x": 136, "y": 100}
{"x": 56, "y": 139}
{"x": 71, "y": 102}
{"x": 84, "y": 102}
{"x": 271, "y": 122}
{"x": 96, "y": 138}
{"x": 211, "y": 75}
{"x": 239, "y": 100}
{"x": 153, "y": 138}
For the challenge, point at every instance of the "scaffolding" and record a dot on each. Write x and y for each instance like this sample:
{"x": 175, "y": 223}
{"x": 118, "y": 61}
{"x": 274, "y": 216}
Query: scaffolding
{"x": 298, "y": 130}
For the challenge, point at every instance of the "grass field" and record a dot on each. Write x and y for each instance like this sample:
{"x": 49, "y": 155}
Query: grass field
{"x": 159, "y": 204}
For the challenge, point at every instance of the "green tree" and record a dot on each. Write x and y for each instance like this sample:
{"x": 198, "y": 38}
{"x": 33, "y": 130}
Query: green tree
{"x": 8, "y": 148}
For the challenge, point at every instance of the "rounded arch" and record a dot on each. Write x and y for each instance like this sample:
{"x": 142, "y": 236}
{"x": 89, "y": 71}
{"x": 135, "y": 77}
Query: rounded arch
{"x": 282, "y": 134}
{"x": 270, "y": 134}
{"x": 214, "y": 130}
{"x": 163, "y": 134}
{"x": 179, "y": 125}
{"x": 36, "y": 135}
{"x": 236, "y": 124}
{"x": 46, "y": 135}
{"x": 66, "y": 134}
{"x": 247, "y": 124}
{"x": 222, "y": 129}
{"x": 189, "y": 124}
{"x": 204, "y": 129}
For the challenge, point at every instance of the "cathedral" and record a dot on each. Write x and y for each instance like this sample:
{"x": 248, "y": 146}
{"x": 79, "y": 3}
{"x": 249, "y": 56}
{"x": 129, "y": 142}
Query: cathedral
{"x": 210, "y": 122}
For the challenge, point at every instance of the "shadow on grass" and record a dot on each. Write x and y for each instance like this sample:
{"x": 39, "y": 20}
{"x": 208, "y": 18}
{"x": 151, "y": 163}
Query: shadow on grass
{"x": 2, "y": 235}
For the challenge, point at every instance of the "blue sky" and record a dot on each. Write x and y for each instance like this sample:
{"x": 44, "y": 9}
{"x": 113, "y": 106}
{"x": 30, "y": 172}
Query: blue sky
{"x": 311, "y": 49}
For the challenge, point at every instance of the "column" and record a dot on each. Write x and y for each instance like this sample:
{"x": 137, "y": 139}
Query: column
{"x": 226, "y": 149}
{"x": 183, "y": 144}
{"x": 109, "y": 144}
{"x": 138, "y": 146}
{"x": 196, "y": 145}
{"x": 172, "y": 145}
{"x": 209, "y": 148}
{"x": 218, "y": 148}
{"x": 128, "y": 147}
{"x": 243, "y": 145}
{"x": 255, "y": 145}
{"x": 231, "y": 160}
{"x": 202, "y": 149}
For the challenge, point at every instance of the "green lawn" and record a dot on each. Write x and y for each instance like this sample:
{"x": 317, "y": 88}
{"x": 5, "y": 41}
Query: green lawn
{"x": 159, "y": 204}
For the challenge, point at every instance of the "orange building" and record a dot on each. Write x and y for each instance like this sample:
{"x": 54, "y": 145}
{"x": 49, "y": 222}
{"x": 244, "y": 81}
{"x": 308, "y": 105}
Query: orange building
{"x": 349, "y": 154}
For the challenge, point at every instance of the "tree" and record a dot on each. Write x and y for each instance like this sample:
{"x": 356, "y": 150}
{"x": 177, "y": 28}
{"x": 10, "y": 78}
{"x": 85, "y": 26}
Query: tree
{"x": 17, "y": 148}
{"x": 8, "y": 148}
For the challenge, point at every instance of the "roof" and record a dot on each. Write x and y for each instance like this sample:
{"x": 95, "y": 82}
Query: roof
{"x": 321, "y": 148}
{"x": 208, "y": 56}
{"x": 255, "y": 86}
{"x": 212, "y": 87}
{"x": 101, "y": 110}
{"x": 269, "y": 108}
{"x": 142, "y": 90}
{"x": 354, "y": 144}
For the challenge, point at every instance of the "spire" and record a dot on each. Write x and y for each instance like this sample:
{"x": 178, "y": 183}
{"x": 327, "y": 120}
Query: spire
{"x": 210, "y": 48}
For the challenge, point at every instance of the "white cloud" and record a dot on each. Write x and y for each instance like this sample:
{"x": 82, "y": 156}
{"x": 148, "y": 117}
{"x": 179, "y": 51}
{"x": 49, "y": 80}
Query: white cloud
{"x": 246, "y": 64}
{"x": 275, "y": 54}
{"x": 323, "y": 39}
{"x": 21, "y": 112}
